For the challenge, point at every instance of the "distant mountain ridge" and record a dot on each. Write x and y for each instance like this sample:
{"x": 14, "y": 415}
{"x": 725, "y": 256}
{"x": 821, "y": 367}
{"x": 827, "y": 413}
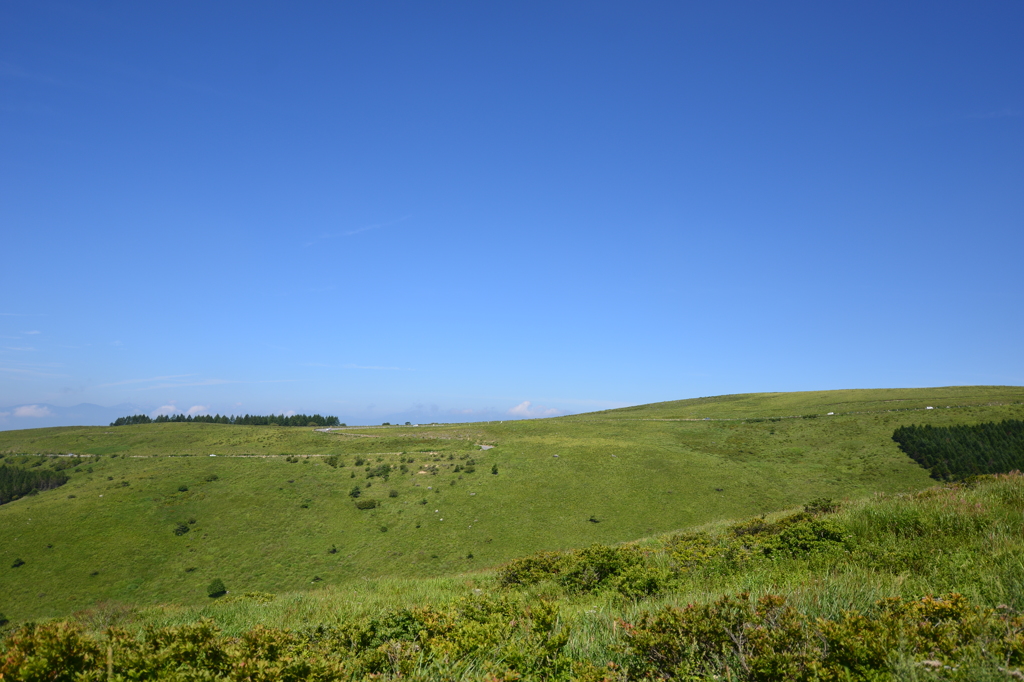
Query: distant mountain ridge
{"x": 39, "y": 415}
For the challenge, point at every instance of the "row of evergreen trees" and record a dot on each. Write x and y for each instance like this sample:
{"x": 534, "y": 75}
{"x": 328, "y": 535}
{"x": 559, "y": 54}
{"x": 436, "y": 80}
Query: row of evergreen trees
{"x": 954, "y": 452}
{"x": 16, "y": 482}
{"x": 247, "y": 420}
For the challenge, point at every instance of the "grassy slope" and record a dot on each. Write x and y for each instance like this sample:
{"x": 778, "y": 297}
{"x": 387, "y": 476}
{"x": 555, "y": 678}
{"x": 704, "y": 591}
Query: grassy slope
{"x": 955, "y": 538}
{"x": 639, "y": 476}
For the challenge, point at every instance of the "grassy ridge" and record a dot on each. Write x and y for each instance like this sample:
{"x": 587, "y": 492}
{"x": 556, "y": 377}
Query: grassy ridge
{"x": 267, "y": 524}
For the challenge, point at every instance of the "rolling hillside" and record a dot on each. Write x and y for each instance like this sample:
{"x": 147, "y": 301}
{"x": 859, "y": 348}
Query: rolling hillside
{"x": 273, "y": 510}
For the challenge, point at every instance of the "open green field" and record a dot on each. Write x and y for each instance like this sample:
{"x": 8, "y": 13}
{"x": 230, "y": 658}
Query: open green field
{"x": 265, "y": 513}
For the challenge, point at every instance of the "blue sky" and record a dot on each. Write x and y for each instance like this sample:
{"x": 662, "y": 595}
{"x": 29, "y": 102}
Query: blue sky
{"x": 444, "y": 211}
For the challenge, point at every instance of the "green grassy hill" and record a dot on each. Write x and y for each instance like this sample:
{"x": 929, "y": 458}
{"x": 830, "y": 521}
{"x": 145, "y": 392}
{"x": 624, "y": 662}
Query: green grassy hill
{"x": 267, "y": 511}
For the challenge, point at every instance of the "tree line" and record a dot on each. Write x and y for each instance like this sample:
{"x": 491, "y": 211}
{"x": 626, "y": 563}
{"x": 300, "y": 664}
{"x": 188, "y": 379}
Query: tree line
{"x": 16, "y": 482}
{"x": 956, "y": 452}
{"x": 246, "y": 420}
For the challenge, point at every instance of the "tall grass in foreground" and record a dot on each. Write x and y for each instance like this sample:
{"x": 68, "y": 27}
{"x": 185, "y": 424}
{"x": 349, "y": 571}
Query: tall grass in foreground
{"x": 927, "y": 585}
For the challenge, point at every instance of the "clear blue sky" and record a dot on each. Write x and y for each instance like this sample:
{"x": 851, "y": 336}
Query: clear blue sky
{"x": 439, "y": 211}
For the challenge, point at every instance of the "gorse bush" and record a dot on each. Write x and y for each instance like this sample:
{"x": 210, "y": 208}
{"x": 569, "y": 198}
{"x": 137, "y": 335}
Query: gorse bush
{"x": 366, "y": 504}
{"x": 735, "y": 637}
{"x": 767, "y": 639}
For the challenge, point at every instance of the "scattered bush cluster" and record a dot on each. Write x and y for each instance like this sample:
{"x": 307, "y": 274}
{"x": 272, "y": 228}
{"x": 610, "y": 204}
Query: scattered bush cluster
{"x": 635, "y": 573}
{"x": 957, "y": 452}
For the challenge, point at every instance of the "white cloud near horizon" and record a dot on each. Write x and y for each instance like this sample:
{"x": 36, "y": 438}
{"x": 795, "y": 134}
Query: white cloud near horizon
{"x": 36, "y": 411}
{"x": 173, "y": 409}
{"x": 527, "y": 410}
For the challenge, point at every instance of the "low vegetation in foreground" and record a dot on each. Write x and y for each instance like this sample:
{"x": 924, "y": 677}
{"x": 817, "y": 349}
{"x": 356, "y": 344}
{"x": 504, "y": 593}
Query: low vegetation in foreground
{"x": 926, "y": 585}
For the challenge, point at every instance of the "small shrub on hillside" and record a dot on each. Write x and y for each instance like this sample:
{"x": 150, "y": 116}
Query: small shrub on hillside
{"x": 181, "y": 529}
{"x": 211, "y": 478}
{"x": 216, "y": 588}
{"x": 366, "y": 504}
{"x": 494, "y": 469}
{"x": 820, "y": 535}
{"x": 466, "y": 469}
{"x": 355, "y": 492}
{"x": 821, "y": 505}
{"x": 640, "y": 580}
{"x": 3, "y": 620}
{"x": 393, "y": 493}
{"x": 182, "y": 488}
{"x": 332, "y": 461}
{"x": 360, "y": 461}
{"x": 17, "y": 563}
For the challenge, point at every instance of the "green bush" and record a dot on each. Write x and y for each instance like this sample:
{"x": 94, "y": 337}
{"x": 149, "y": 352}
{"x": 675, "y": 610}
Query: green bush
{"x": 355, "y": 492}
{"x": 181, "y": 528}
{"x": 18, "y": 563}
{"x": 366, "y": 504}
{"x": 216, "y": 588}
{"x": 182, "y": 488}
{"x": 739, "y": 638}
{"x": 821, "y": 505}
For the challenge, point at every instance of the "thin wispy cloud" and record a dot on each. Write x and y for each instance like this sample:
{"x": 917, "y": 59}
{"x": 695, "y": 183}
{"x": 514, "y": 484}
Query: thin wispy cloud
{"x": 32, "y": 332}
{"x": 30, "y": 372}
{"x": 204, "y": 382}
{"x": 1005, "y": 112}
{"x": 19, "y": 348}
{"x": 13, "y": 71}
{"x": 351, "y": 366}
{"x": 143, "y": 381}
{"x": 358, "y": 230}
